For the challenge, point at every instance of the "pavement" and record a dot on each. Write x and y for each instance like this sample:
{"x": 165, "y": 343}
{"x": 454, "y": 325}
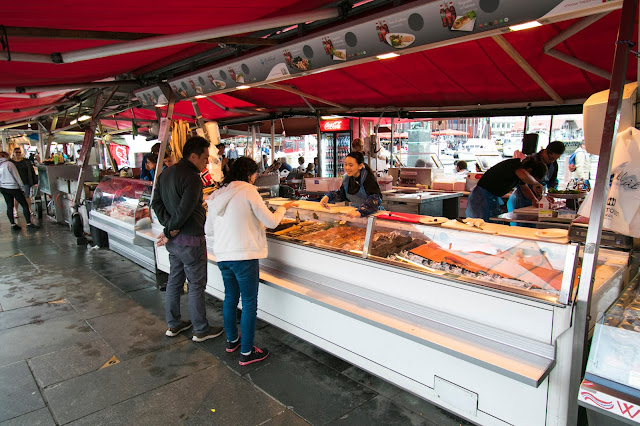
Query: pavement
{"x": 82, "y": 342}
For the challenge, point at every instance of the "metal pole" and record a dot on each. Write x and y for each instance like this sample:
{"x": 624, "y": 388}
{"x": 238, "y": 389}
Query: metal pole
{"x": 585, "y": 289}
{"x": 254, "y": 142}
{"x": 273, "y": 141}
{"x": 321, "y": 152}
{"x": 199, "y": 119}
{"x": 54, "y": 123}
{"x": 165, "y": 139}
{"x": 391, "y": 146}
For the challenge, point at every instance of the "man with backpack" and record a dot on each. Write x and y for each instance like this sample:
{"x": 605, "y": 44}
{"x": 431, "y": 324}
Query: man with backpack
{"x": 580, "y": 163}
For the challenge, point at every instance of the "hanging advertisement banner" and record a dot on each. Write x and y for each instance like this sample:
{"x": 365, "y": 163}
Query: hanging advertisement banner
{"x": 120, "y": 154}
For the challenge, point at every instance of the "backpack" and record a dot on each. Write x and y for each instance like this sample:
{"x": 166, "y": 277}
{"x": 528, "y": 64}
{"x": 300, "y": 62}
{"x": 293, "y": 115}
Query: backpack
{"x": 572, "y": 162}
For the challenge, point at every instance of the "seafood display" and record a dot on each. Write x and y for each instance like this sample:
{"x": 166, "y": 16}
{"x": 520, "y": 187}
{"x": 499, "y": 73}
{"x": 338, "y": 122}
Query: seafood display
{"x": 336, "y": 234}
{"x": 625, "y": 313}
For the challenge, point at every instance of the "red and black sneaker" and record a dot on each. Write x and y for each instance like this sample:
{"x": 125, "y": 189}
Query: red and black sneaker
{"x": 232, "y": 346}
{"x": 256, "y": 355}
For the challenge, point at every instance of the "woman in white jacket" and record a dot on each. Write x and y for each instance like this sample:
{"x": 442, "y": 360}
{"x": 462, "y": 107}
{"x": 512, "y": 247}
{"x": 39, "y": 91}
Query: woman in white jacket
{"x": 239, "y": 217}
{"x": 12, "y": 189}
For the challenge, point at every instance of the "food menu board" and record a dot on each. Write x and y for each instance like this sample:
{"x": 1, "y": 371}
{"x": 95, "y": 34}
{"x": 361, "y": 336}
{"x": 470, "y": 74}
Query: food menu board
{"x": 411, "y": 28}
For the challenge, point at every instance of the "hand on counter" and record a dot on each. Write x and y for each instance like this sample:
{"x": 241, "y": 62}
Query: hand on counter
{"x": 290, "y": 204}
{"x": 354, "y": 213}
{"x": 325, "y": 202}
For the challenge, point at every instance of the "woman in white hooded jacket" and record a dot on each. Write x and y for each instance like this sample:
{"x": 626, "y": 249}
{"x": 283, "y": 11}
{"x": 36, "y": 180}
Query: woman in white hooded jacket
{"x": 237, "y": 218}
{"x": 12, "y": 189}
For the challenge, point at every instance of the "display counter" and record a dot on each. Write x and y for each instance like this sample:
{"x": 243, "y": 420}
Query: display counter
{"x": 120, "y": 207}
{"x": 58, "y": 183}
{"x": 478, "y": 324}
{"x": 424, "y": 203}
{"x": 611, "y": 387}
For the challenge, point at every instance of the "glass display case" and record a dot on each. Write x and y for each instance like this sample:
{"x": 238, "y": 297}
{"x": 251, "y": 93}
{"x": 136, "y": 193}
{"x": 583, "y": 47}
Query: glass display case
{"x": 121, "y": 206}
{"x": 125, "y": 200}
{"x": 539, "y": 267}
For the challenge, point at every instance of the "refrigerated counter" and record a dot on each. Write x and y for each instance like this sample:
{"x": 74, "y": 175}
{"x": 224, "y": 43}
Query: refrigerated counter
{"x": 120, "y": 207}
{"x": 478, "y": 324}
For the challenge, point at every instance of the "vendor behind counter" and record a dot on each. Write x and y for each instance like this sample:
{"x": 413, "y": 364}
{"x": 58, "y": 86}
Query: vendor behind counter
{"x": 485, "y": 199}
{"x": 359, "y": 186}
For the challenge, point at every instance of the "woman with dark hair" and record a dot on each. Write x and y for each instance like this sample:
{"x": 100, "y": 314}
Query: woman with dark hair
{"x": 237, "y": 219}
{"x": 359, "y": 186}
{"x": 12, "y": 188}
{"x": 152, "y": 163}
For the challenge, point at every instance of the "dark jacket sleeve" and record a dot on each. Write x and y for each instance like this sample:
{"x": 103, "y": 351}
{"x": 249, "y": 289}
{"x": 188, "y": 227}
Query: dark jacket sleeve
{"x": 337, "y": 196}
{"x": 553, "y": 180}
{"x": 159, "y": 207}
{"x": 191, "y": 194}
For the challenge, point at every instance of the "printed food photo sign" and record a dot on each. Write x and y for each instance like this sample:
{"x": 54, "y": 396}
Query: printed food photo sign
{"x": 411, "y": 28}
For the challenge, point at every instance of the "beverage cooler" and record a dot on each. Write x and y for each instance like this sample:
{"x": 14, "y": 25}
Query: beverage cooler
{"x": 335, "y": 144}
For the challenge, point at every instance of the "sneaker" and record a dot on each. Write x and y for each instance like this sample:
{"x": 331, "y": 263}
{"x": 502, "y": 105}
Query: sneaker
{"x": 232, "y": 346}
{"x": 209, "y": 334}
{"x": 256, "y": 355}
{"x": 184, "y": 325}
{"x": 15, "y": 227}
{"x": 32, "y": 226}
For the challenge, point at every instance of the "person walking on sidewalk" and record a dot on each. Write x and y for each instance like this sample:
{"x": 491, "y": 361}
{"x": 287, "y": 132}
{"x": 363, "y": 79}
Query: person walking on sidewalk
{"x": 177, "y": 201}
{"x": 27, "y": 174}
{"x": 237, "y": 219}
{"x": 12, "y": 189}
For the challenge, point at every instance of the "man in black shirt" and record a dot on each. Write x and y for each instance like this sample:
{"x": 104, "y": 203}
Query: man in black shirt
{"x": 177, "y": 201}
{"x": 27, "y": 174}
{"x": 486, "y": 198}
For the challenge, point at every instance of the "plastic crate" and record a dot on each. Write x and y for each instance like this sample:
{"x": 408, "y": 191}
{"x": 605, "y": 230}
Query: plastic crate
{"x": 319, "y": 184}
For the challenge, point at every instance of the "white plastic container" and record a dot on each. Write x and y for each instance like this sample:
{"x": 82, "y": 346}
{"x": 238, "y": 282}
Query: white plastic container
{"x": 320, "y": 184}
{"x": 385, "y": 183}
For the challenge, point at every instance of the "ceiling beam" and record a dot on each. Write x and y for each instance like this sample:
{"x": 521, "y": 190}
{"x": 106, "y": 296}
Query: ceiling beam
{"x": 295, "y": 91}
{"x": 71, "y": 86}
{"x": 54, "y": 33}
{"x": 571, "y": 30}
{"x": 526, "y": 67}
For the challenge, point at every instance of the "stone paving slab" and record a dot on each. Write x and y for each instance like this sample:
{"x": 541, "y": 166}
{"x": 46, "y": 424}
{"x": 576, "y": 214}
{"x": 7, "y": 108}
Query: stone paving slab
{"x": 129, "y": 280}
{"x": 20, "y": 394}
{"x": 76, "y": 360}
{"x": 33, "y": 314}
{"x": 375, "y": 383}
{"x": 190, "y": 401}
{"x": 41, "y": 417}
{"x": 31, "y": 340}
{"x": 381, "y": 411}
{"x": 79, "y": 397}
{"x": 316, "y": 392}
{"x": 101, "y": 299}
{"x": 134, "y": 332}
{"x": 434, "y": 413}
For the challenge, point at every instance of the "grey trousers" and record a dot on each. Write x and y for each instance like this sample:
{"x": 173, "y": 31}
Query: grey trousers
{"x": 187, "y": 263}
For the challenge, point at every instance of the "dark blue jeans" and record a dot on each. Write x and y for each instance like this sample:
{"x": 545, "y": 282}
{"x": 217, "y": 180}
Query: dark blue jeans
{"x": 190, "y": 263}
{"x": 241, "y": 278}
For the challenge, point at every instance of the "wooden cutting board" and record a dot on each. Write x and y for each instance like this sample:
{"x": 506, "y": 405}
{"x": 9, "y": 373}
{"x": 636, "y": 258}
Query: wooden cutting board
{"x": 454, "y": 224}
{"x": 510, "y": 231}
{"x": 312, "y": 205}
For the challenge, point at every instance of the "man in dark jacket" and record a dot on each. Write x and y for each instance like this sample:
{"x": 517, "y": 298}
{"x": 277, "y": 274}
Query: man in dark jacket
{"x": 177, "y": 201}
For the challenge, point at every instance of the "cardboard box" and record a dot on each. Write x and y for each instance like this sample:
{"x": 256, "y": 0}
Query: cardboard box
{"x": 319, "y": 184}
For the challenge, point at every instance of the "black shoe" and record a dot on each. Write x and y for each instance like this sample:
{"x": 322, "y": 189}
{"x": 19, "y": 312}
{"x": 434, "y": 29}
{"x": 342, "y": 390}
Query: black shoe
{"x": 209, "y": 334}
{"x": 256, "y": 355}
{"x": 32, "y": 226}
{"x": 184, "y": 325}
{"x": 232, "y": 346}
{"x": 15, "y": 227}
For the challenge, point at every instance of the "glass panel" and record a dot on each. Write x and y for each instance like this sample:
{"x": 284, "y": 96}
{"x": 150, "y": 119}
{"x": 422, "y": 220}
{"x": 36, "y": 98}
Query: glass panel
{"x": 533, "y": 267}
{"x": 119, "y": 198}
{"x": 328, "y": 155}
{"x": 324, "y": 230}
{"x": 343, "y": 148}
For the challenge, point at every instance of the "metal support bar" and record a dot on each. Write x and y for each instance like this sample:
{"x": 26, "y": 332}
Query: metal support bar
{"x": 54, "y": 123}
{"x": 518, "y": 59}
{"x": 199, "y": 120}
{"x": 85, "y": 151}
{"x": 70, "y": 86}
{"x": 165, "y": 139}
{"x": 607, "y": 146}
{"x": 295, "y": 91}
{"x": 273, "y": 142}
{"x": 308, "y": 103}
{"x": 579, "y": 64}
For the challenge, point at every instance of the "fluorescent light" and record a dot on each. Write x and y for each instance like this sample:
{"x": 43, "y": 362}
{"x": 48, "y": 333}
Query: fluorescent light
{"x": 242, "y": 87}
{"x": 72, "y": 122}
{"x": 84, "y": 118}
{"x": 159, "y": 105}
{"x": 201, "y": 96}
{"x": 525, "y": 26}
{"x": 331, "y": 117}
{"x": 387, "y": 56}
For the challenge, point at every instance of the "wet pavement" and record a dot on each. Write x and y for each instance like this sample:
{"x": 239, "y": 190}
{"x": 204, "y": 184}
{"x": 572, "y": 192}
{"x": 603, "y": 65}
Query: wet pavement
{"x": 82, "y": 342}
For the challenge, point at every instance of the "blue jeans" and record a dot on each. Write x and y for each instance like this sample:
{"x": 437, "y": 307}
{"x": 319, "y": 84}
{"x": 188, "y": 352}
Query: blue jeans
{"x": 483, "y": 204}
{"x": 241, "y": 278}
{"x": 190, "y": 263}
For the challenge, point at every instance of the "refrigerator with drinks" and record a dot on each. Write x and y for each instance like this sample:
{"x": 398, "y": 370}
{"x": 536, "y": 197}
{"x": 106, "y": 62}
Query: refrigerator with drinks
{"x": 335, "y": 144}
